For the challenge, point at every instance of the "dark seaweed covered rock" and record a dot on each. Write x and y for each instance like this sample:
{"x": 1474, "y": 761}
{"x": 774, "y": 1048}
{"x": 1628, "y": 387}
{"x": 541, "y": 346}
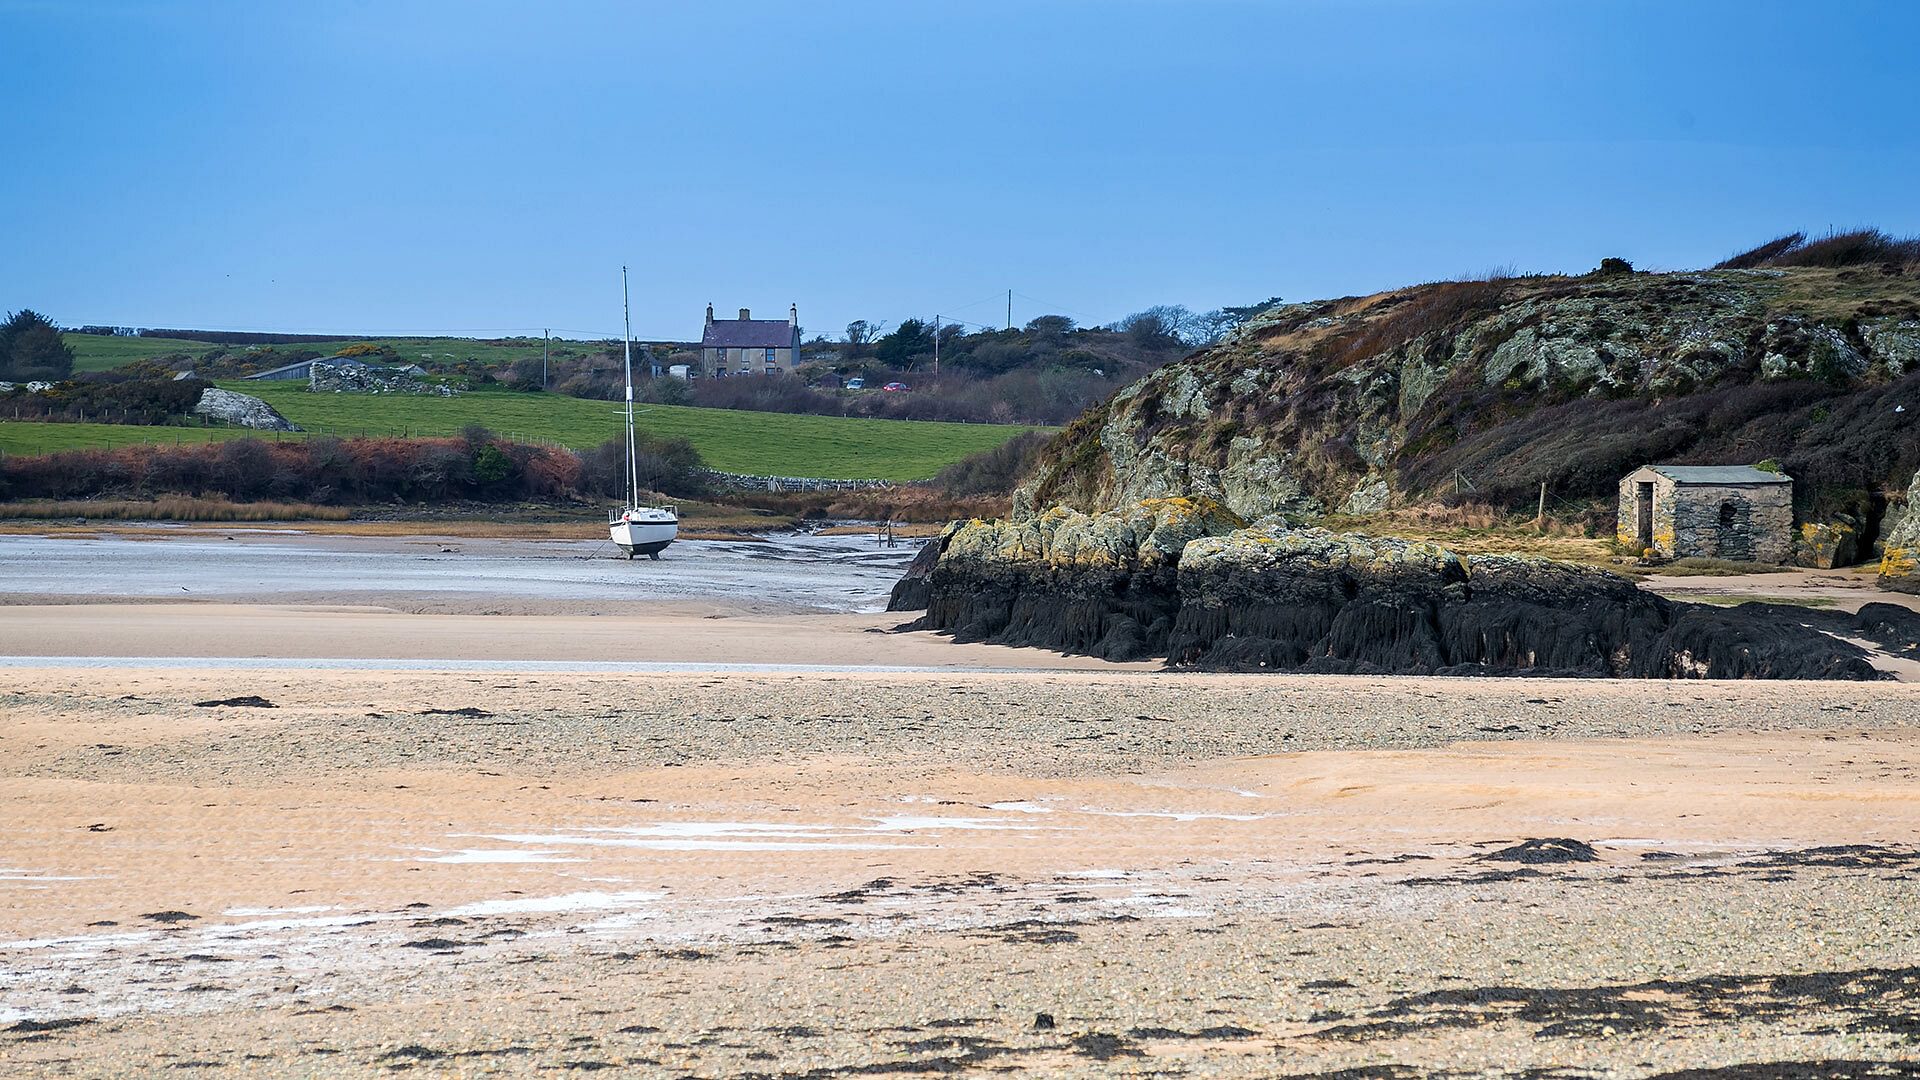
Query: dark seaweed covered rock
{"x": 1312, "y": 600}
{"x": 1173, "y": 578}
{"x": 910, "y": 592}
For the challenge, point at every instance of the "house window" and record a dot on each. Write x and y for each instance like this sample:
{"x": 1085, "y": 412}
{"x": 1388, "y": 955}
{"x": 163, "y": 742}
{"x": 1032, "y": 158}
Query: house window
{"x": 773, "y": 369}
{"x": 770, "y": 360}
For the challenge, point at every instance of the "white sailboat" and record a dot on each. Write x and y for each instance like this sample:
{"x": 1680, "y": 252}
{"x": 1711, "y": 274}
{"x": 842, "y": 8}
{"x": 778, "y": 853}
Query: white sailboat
{"x": 637, "y": 529}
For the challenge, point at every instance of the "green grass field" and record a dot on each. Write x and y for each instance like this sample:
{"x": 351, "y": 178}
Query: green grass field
{"x": 98, "y": 352}
{"x": 780, "y": 444}
{"x": 95, "y": 352}
{"x": 31, "y": 438}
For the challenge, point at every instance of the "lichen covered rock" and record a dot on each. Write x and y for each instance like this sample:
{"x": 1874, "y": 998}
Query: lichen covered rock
{"x": 1100, "y": 584}
{"x": 1900, "y": 548}
{"x": 1824, "y": 546}
{"x": 242, "y": 409}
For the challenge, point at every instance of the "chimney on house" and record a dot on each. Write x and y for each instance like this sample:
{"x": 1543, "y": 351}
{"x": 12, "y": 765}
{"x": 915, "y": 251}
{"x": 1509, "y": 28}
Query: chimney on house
{"x": 793, "y": 314}
{"x": 709, "y": 313}
{"x": 745, "y": 314}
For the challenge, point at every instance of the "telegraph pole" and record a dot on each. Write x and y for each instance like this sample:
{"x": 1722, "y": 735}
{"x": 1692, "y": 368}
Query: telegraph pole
{"x": 936, "y": 346}
{"x": 546, "y": 345}
{"x": 1009, "y": 309}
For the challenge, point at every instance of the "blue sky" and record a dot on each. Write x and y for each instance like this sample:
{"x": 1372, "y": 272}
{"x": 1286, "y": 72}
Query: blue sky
{"x": 482, "y": 167}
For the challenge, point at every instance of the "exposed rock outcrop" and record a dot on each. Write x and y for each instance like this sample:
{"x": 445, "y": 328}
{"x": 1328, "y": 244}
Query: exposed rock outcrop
{"x": 1177, "y": 579}
{"x": 1900, "y": 545}
{"x": 242, "y": 409}
{"x": 356, "y": 378}
{"x": 910, "y": 593}
{"x": 1824, "y": 546}
{"x": 1490, "y": 388}
{"x": 1104, "y": 585}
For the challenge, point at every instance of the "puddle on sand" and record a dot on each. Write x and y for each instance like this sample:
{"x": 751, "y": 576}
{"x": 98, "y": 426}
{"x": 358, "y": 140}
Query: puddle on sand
{"x": 15, "y": 873}
{"x": 496, "y": 855}
{"x": 546, "y": 905}
{"x": 876, "y": 834}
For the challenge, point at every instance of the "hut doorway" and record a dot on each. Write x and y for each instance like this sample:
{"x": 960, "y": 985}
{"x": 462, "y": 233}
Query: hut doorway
{"x": 1735, "y": 538}
{"x": 1643, "y": 515}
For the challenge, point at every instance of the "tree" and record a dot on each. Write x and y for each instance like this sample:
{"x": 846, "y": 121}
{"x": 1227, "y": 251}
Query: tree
{"x": 31, "y": 349}
{"x": 898, "y": 349}
{"x": 860, "y": 335}
{"x": 1159, "y": 327}
{"x": 1051, "y": 326}
{"x": 1210, "y": 327}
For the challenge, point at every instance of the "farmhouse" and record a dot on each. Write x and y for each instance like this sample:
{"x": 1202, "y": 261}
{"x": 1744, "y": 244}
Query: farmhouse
{"x": 1732, "y": 512}
{"x": 750, "y": 346}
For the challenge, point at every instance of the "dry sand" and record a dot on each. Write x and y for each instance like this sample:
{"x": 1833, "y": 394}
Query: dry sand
{"x": 852, "y": 873}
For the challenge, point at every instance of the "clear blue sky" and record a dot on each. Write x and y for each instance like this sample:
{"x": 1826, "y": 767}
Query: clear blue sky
{"x": 398, "y": 166}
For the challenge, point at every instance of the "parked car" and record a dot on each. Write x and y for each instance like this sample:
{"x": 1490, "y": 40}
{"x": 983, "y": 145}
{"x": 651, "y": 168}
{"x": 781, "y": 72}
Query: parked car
{"x": 856, "y": 383}
{"x": 897, "y": 387}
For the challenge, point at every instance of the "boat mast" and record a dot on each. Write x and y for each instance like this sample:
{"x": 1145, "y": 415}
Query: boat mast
{"x": 633, "y": 468}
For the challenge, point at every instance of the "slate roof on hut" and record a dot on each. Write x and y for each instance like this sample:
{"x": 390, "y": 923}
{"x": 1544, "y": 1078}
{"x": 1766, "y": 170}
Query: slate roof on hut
{"x": 1720, "y": 474}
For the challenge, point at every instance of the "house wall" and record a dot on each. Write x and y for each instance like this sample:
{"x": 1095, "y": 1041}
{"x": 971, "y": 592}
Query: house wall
{"x": 1689, "y": 523}
{"x": 1627, "y": 523}
{"x": 711, "y": 360}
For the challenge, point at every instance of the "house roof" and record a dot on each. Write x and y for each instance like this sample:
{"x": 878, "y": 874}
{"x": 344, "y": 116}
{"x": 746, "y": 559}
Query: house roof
{"x": 1720, "y": 474}
{"x": 747, "y": 334}
{"x": 281, "y": 368}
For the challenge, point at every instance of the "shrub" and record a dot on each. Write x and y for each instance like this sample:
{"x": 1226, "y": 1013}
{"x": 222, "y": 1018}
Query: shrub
{"x": 332, "y": 471}
{"x": 996, "y": 471}
{"x": 1854, "y": 247}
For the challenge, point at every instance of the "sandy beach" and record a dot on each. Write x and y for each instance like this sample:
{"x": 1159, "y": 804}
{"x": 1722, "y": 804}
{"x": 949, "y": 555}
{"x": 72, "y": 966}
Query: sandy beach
{"x": 318, "y": 839}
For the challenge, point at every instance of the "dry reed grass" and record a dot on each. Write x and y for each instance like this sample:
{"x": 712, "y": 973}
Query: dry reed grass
{"x": 171, "y": 509}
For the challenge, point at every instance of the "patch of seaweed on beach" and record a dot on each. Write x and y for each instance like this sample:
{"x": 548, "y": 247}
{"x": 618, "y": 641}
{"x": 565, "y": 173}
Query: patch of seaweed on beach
{"x": 1866, "y": 999}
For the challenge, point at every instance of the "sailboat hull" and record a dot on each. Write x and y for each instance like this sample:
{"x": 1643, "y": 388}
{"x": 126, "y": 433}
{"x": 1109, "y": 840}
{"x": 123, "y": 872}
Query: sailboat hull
{"x": 643, "y": 537}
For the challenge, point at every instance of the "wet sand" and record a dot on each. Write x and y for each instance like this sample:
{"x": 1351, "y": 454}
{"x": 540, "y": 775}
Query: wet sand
{"x": 776, "y": 573}
{"x": 714, "y": 633}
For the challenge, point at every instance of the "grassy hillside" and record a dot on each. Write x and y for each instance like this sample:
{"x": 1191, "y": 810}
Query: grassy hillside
{"x": 749, "y": 442}
{"x": 99, "y": 352}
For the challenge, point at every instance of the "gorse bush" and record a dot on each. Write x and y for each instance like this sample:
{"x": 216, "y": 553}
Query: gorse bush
{"x": 141, "y": 393}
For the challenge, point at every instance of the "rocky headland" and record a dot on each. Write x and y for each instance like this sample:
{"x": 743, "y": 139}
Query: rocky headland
{"x": 1191, "y": 581}
{"x": 1487, "y": 389}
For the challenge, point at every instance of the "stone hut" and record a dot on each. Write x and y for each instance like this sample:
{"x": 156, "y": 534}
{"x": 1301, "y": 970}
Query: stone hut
{"x": 1732, "y": 512}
